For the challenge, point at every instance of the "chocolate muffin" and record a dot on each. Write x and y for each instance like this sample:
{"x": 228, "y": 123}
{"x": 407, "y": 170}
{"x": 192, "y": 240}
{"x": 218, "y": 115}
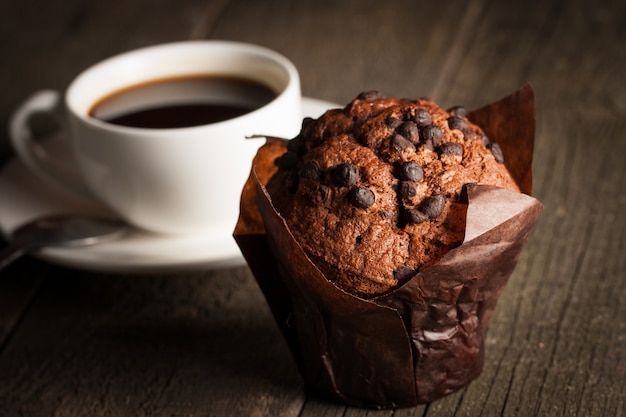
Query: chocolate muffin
{"x": 382, "y": 236}
{"x": 373, "y": 192}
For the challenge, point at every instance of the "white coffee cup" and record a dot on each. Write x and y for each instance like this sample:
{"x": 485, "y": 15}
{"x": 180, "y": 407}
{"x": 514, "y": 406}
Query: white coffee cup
{"x": 172, "y": 180}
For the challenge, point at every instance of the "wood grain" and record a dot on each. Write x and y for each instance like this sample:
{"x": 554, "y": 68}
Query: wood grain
{"x": 74, "y": 343}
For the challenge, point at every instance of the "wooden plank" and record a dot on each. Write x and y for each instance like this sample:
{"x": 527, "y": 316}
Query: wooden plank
{"x": 543, "y": 332}
{"x": 557, "y": 313}
{"x": 572, "y": 52}
{"x": 343, "y": 48}
{"x": 581, "y": 286}
{"x": 113, "y": 345}
{"x": 18, "y": 285}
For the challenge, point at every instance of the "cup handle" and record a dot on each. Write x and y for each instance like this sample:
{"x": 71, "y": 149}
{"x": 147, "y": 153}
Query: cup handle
{"x": 62, "y": 172}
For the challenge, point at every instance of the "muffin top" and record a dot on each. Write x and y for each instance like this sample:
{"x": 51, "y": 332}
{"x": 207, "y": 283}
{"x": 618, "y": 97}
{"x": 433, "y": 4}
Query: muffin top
{"x": 372, "y": 192}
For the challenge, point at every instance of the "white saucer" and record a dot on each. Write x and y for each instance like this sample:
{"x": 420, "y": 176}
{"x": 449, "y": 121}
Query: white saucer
{"x": 23, "y": 197}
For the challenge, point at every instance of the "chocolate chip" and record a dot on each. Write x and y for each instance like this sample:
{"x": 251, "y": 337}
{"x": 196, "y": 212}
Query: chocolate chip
{"x": 314, "y": 192}
{"x": 287, "y": 161}
{"x": 296, "y": 145}
{"x": 407, "y": 189}
{"x": 403, "y": 273}
{"x": 361, "y": 197}
{"x": 410, "y": 171}
{"x": 409, "y": 130}
{"x": 345, "y": 175}
{"x": 469, "y": 134}
{"x": 370, "y": 95}
{"x": 451, "y": 148}
{"x": 455, "y": 122}
{"x": 414, "y": 216}
{"x": 458, "y": 111}
{"x": 310, "y": 170}
{"x": 393, "y": 122}
{"x": 496, "y": 151}
{"x": 485, "y": 139}
{"x": 306, "y": 122}
{"x": 422, "y": 117}
{"x": 400, "y": 144}
{"x": 431, "y": 134}
{"x": 433, "y": 206}
{"x": 324, "y": 192}
{"x": 428, "y": 145}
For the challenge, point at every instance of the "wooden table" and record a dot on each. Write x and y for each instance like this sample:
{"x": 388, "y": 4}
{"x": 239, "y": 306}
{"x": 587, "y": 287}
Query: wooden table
{"x": 76, "y": 343}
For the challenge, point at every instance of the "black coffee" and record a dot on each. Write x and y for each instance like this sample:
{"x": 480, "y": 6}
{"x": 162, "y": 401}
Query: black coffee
{"x": 182, "y": 102}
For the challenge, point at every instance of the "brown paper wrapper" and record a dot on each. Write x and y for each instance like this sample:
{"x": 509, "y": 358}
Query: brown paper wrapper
{"x": 424, "y": 339}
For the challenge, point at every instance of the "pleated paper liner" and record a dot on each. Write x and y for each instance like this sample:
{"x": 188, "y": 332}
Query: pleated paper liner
{"x": 424, "y": 339}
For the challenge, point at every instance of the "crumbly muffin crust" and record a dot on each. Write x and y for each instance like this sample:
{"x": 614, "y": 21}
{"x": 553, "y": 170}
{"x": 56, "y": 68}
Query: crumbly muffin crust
{"x": 372, "y": 192}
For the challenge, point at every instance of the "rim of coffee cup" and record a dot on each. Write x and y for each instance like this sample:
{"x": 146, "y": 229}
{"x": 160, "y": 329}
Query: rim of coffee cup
{"x": 127, "y": 69}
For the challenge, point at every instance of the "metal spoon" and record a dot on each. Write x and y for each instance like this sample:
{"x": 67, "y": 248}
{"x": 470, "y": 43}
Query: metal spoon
{"x": 59, "y": 230}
